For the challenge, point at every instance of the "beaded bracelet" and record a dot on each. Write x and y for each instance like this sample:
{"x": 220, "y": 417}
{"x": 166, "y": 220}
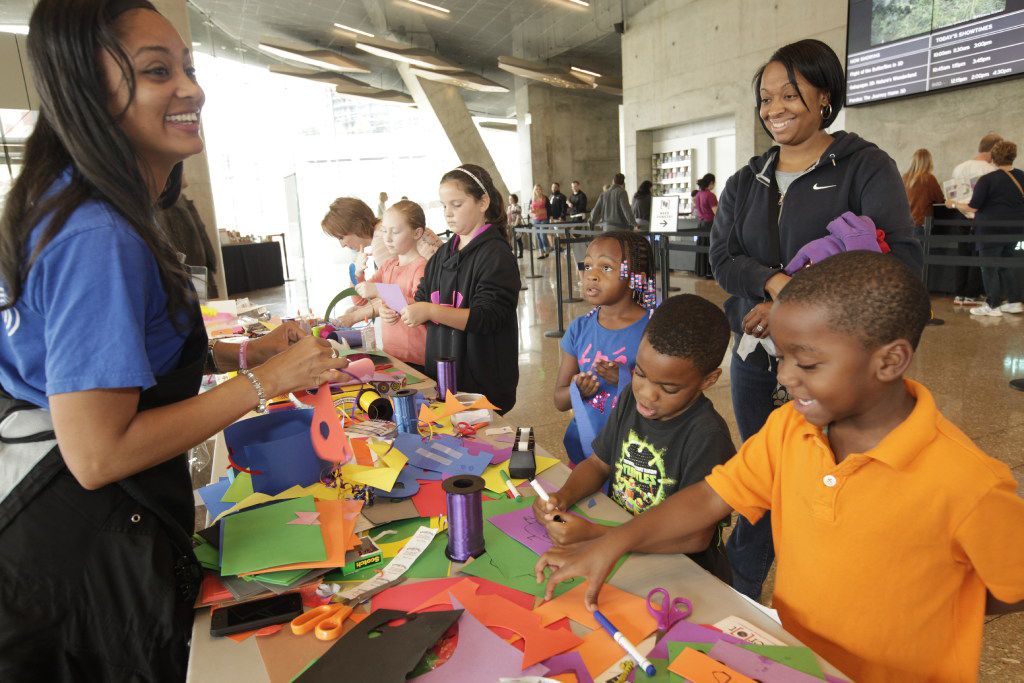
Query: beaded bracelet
{"x": 258, "y": 386}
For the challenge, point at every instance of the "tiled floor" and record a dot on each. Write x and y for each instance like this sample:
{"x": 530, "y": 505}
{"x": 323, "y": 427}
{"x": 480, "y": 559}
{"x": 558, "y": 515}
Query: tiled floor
{"x": 966, "y": 363}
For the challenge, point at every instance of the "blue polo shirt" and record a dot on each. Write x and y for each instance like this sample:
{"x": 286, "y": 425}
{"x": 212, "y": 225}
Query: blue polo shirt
{"x": 92, "y": 313}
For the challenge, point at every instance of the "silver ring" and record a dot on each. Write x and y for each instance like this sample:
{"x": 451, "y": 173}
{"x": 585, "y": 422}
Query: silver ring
{"x": 334, "y": 353}
{"x": 759, "y": 328}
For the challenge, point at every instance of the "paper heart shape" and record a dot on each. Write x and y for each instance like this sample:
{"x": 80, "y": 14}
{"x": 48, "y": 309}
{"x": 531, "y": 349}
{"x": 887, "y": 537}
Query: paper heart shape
{"x": 362, "y": 368}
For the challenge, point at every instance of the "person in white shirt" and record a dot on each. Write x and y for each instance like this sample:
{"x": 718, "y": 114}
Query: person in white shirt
{"x": 968, "y": 278}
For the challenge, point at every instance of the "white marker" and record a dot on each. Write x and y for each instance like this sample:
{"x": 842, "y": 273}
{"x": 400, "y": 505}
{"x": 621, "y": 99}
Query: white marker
{"x": 543, "y": 495}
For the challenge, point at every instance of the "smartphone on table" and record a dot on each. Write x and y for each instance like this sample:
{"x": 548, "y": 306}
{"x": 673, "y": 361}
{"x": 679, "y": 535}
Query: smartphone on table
{"x": 247, "y": 616}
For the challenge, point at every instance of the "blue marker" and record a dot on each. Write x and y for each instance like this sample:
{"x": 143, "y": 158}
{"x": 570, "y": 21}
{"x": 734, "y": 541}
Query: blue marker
{"x": 352, "y": 273}
{"x": 630, "y": 649}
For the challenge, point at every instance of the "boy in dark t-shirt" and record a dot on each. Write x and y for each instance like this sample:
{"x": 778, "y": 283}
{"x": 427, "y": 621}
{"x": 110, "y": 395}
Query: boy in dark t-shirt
{"x": 663, "y": 435}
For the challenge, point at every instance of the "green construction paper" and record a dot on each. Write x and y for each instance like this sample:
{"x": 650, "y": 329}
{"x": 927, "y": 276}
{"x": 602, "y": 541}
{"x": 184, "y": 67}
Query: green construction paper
{"x": 661, "y": 673}
{"x": 431, "y": 564}
{"x": 380, "y": 357}
{"x": 240, "y": 489}
{"x": 507, "y": 561}
{"x": 282, "y": 578}
{"x": 262, "y": 538}
{"x": 206, "y": 553}
{"x": 351, "y": 291}
{"x": 795, "y": 657}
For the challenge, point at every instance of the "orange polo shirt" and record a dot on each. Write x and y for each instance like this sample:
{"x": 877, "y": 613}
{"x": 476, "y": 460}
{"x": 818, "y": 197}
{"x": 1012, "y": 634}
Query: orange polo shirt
{"x": 884, "y": 559}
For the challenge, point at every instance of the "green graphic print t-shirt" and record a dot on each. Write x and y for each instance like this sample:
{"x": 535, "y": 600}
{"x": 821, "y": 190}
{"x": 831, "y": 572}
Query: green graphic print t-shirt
{"x": 652, "y": 459}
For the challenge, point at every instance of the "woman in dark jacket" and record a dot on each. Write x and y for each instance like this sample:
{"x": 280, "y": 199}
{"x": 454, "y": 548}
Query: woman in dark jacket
{"x": 769, "y": 211}
{"x": 642, "y": 204}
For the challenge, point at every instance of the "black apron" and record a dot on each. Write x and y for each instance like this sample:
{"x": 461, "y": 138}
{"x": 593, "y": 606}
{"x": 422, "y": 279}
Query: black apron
{"x": 100, "y": 585}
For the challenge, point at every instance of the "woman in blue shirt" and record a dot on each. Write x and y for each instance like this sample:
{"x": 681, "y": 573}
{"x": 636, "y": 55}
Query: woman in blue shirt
{"x": 101, "y": 357}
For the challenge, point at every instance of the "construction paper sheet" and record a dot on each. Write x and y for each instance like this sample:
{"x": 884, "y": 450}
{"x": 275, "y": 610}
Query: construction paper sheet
{"x": 758, "y": 667}
{"x": 262, "y": 538}
{"x": 337, "y": 520}
{"x": 241, "y": 589}
{"x": 283, "y": 463}
{"x": 568, "y": 663}
{"x": 599, "y": 652}
{"x": 362, "y": 368}
{"x": 443, "y": 454}
{"x": 392, "y": 296}
{"x": 421, "y": 474}
{"x": 212, "y": 495}
{"x": 507, "y": 561}
{"x": 343, "y": 294}
{"x": 584, "y": 425}
{"x": 627, "y": 611}
{"x": 479, "y": 656}
{"x": 207, "y": 555}
{"x": 687, "y": 631}
{"x": 212, "y": 590}
{"x": 309, "y": 579}
{"x": 284, "y": 654}
{"x": 240, "y": 488}
{"x": 405, "y": 485}
{"x": 697, "y": 667}
{"x": 381, "y": 477}
{"x": 524, "y": 527}
{"x": 796, "y": 657}
{"x": 362, "y": 452}
{"x": 384, "y": 512}
{"x": 410, "y": 595}
{"x": 431, "y": 500}
{"x": 285, "y": 577}
{"x": 498, "y": 453}
{"x": 496, "y": 612}
{"x": 389, "y": 656}
{"x": 451, "y": 406}
{"x": 494, "y": 482}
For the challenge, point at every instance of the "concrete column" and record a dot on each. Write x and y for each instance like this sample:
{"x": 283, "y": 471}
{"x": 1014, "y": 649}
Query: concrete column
{"x": 197, "y": 168}
{"x": 444, "y": 105}
{"x": 566, "y": 135}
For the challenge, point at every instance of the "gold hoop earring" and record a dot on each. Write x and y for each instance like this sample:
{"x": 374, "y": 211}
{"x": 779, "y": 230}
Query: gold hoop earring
{"x": 824, "y": 116}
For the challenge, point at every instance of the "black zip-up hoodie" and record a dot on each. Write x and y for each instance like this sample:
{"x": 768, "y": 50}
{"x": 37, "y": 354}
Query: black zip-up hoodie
{"x": 753, "y": 237}
{"x": 486, "y": 355}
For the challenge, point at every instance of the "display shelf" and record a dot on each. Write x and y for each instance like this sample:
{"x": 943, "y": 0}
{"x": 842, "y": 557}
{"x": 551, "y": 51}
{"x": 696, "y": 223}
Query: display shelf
{"x": 672, "y": 174}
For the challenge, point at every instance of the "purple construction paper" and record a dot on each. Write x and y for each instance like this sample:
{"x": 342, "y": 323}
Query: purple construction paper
{"x": 468, "y": 664}
{"x": 443, "y": 454}
{"x": 757, "y": 666}
{"x": 524, "y": 527}
{"x": 568, "y": 663}
{"x": 499, "y": 454}
{"x": 392, "y": 296}
{"x": 689, "y": 632}
{"x": 835, "y": 679}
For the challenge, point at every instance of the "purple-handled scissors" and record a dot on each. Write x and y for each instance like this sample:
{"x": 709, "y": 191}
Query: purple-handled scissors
{"x": 667, "y": 610}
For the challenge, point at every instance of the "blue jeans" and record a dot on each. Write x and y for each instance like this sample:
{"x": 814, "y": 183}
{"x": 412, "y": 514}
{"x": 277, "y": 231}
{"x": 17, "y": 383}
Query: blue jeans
{"x": 1000, "y": 283}
{"x": 750, "y": 547}
{"x": 542, "y": 239}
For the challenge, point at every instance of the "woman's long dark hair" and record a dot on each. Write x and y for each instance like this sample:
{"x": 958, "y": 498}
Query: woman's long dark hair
{"x": 467, "y": 176}
{"x": 644, "y": 190}
{"x": 76, "y": 131}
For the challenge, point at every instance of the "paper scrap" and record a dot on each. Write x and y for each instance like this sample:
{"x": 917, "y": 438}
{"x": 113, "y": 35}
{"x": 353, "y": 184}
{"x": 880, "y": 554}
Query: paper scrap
{"x": 392, "y": 296}
{"x": 524, "y": 527}
{"x": 494, "y": 482}
{"x": 307, "y": 518}
{"x": 399, "y": 565}
{"x": 758, "y": 667}
{"x": 627, "y": 611}
{"x": 259, "y": 539}
{"x": 697, "y": 667}
{"x": 800, "y": 658}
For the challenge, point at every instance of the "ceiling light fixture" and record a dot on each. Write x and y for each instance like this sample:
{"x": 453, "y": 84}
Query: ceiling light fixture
{"x": 436, "y": 8}
{"x": 581, "y": 3}
{"x": 352, "y": 30}
{"x": 319, "y": 58}
{"x": 584, "y": 71}
{"x": 461, "y": 79}
{"x": 20, "y": 29}
{"x": 410, "y": 54}
{"x": 552, "y": 75}
{"x": 345, "y": 85}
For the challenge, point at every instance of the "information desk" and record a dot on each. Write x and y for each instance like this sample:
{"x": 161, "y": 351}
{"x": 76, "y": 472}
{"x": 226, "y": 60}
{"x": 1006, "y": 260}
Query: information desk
{"x": 222, "y": 659}
{"x": 248, "y": 267}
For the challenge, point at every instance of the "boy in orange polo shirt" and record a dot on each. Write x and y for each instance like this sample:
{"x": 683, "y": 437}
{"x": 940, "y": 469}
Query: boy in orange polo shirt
{"x": 894, "y": 533}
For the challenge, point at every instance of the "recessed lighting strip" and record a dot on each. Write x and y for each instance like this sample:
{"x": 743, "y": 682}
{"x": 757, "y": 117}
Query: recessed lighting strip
{"x": 353, "y": 30}
{"x": 436, "y": 8}
{"x": 584, "y": 71}
{"x": 581, "y": 3}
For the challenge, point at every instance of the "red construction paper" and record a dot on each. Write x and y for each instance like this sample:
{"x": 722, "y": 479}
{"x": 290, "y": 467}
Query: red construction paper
{"x": 408, "y": 596}
{"x": 213, "y": 591}
{"x": 430, "y": 500}
{"x": 497, "y": 612}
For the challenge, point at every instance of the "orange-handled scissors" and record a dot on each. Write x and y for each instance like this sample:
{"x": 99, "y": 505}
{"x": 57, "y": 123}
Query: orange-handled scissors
{"x": 327, "y": 620}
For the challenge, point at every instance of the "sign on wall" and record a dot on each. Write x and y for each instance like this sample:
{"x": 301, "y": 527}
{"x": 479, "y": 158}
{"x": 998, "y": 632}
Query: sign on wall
{"x": 664, "y": 213}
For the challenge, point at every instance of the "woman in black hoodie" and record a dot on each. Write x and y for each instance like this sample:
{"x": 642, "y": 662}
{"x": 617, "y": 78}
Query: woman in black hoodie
{"x": 470, "y": 290}
{"x": 769, "y": 210}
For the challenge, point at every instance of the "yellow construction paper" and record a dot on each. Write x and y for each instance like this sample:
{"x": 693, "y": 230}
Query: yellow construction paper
{"x": 494, "y": 482}
{"x": 381, "y": 477}
{"x": 317, "y": 490}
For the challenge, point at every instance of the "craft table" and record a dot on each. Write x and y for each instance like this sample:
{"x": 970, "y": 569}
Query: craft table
{"x": 222, "y": 659}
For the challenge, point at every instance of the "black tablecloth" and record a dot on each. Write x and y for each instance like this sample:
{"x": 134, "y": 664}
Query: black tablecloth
{"x": 252, "y": 266}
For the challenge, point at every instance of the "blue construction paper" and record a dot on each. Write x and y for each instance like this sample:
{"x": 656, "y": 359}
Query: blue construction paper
{"x": 443, "y": 454}
{"x": 278, "y": 445}
{"x": 284, "y": 463}
{"x": 582, "y": 417}
{"x": 212, "y": 494}
{"x": 423, "y": 475}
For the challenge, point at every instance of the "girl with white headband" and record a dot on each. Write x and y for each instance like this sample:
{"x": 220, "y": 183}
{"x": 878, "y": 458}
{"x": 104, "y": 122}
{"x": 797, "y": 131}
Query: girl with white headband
{"x": 469, "y": 292}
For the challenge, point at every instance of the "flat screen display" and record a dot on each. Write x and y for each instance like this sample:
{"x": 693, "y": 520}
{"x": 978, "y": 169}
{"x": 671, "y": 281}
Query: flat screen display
{"x": 896, "y": 48}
